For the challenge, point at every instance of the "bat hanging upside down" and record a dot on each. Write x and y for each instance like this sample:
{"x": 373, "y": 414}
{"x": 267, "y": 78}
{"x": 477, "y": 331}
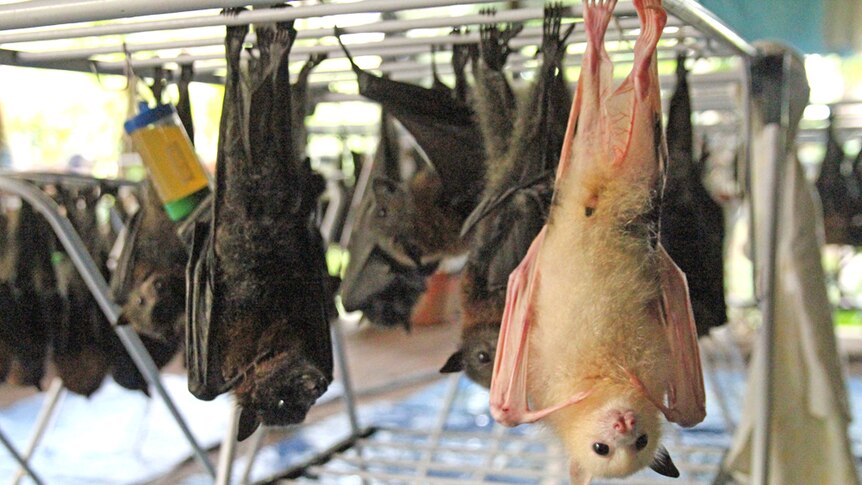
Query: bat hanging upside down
{"x": 597, "y": 332}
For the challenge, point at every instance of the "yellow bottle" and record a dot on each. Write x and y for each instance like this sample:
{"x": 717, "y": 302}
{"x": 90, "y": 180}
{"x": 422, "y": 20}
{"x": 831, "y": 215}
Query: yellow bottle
{"x": 176, "y": 172}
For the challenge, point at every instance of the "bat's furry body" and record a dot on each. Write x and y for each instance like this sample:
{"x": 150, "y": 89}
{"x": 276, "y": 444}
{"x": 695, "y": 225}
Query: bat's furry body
{"x": 259, "y": 309}
{"x": 692, "y": 223}
{"x": 598, "y": 328}
{"x": 519, "y": 179}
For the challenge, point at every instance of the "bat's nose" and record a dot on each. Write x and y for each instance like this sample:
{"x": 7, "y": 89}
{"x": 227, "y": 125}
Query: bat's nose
{"x": 625, "y": 422}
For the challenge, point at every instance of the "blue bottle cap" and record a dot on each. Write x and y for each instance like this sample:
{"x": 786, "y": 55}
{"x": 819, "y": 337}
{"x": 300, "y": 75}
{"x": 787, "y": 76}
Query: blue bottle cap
{"x": 148, "y": 116}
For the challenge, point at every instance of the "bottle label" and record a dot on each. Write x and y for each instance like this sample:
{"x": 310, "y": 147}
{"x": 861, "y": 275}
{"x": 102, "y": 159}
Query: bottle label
{"x": 171, "y": 161}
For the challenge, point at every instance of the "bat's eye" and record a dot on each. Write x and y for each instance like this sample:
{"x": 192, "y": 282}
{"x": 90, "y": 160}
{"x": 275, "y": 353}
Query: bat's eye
{"x": 601, "y": 449}
{"x": 588, "y": 211}
{"x": 381, "y": 212}
{"x": 483, "y": 357}
{"x": 641, "y": 442}
{"x": 280, "y": 404}
{"x": 140, "y": 301}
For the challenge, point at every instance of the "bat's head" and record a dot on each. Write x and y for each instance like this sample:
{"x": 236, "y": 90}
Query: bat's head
{"x": 156, "y": 306}
{"x": 617, "y": 438}
{"x": 476, "y": 355}
{"x": 390, "y": 216}
{"x": 280, "y": 393}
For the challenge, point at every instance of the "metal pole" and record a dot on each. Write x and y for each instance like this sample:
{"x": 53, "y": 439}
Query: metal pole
{"x": 694, "y": 14}
{"x": 761, "y": 440}
{"x": 346, "y": 382}
{"x": 386, "y": 26}
{"x": 17, "y": 457}
{"x": 99, "y": 288}
{"x": 266, "y": 15}
{"x": 227, "y": 452}
{"x": 440, "y": 427}
{"x": 256, "y": 443}
{"x": 54, "y": 12}
{"x": 52, "y": 398}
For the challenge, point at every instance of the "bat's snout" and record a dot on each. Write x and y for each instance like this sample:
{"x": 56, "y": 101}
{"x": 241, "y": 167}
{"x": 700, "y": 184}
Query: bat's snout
{"x": 624, "y": 422}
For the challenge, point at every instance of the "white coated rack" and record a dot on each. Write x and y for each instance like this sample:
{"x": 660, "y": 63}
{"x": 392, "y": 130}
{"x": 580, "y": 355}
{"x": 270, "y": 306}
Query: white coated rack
{"x": 691, "y": 28}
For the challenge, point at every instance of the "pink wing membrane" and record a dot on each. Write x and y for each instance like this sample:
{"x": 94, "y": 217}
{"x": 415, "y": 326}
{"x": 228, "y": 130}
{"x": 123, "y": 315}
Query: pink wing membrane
{"x": 685, "y": 391}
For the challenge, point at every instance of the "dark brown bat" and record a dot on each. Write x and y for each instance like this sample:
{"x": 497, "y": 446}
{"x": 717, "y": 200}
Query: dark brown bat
{"x": 516, "y": 200}
{"x": 257, "y": 312}
{"x": 149, "y": 282}
{"x": 300, "y": 104}
{"x": 832, "y": 186}
{"x": 494, "y": 98}
{"x": 424, "y": 220}
{"x": 80, "y": 351}
{"x": 35, "y": 286}
{"x": 383, "y": 287}
{"x": 692, "y": 222}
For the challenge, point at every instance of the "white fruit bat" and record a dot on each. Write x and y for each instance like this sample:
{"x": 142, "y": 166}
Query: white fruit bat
{"x": 598, "y": 337}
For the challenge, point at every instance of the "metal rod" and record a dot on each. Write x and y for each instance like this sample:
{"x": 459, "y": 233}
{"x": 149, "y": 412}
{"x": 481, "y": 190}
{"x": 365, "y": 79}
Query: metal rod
{"x": 761, "y": 440}
{"x": 694, "y": 14}
{"x": 91, "y": 275}
{"x": 55, "y": 12}
{"x": 17, "y": 457}
{"x": 251, "y": 456}
{"x": 49, "y": 405}
{"x": 385, "y": 27}
{"x": 227, "y": 451}
{"x": 344, "y": 371}
{"x": 440, "y": 427}
{"x": 266, "y": 15}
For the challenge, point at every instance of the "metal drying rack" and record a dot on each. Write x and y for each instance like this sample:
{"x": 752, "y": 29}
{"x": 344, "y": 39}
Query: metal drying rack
{"x": 692, "y": 28}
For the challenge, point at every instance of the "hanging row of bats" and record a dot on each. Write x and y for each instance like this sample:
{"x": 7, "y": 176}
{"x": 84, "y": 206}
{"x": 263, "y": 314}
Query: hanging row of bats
{"x": 839, "y": 185}
{"x": 242, "y": 286}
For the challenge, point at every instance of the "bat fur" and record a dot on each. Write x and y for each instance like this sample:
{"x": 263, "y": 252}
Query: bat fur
{"x": 524, "y": 172}
{"x": 272, "y": 317}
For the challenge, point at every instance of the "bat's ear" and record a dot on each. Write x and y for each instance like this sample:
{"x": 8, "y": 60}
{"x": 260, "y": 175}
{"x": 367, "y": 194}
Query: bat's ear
{"x": 577, "y": 475}
{"x": 663, "y": 465}
{"x": 248, "y": 423}
{"x": 385, "y": 190}
{"x": 454, "y": 364}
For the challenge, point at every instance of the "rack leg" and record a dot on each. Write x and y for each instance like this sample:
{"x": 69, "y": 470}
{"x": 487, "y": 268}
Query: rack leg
{"x": 346, "y": 381}
{"x": 132, "y": 343}
{"x": 17, "y": 457}
{"x": 52, "y": 398}
{"x": 442, "y": 418}
{"x": 227, "y": 452}
{"x": 256, "y": 443}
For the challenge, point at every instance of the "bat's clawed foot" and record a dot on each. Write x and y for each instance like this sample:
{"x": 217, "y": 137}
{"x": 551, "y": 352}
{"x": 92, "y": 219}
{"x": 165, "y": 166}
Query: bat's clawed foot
{"x": 553, "y": 43}
{"x": 597, "y": 16}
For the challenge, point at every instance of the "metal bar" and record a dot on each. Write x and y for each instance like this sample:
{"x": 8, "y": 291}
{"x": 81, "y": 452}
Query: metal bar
{"x": 385, "y": 27}
{"x": 267, "y": 15}
{"x": 344, "y": 371}
{"x": 694, "y": 14}
{"x": 17, "y": 457}
{"x": 440, "y": 427}
{"x": 49, "y": 405}
{"x": 256, "y": 443}
{"x": 55, "y": 12}
{"x": 227, "y": 452}
{"x": 73, "y": 245}
{"x": 761, "y": 440}
{"x": 539, "y": 471}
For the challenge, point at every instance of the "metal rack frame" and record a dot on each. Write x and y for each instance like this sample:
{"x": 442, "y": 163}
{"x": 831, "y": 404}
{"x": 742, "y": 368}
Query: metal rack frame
{"x": 716, "y": 36}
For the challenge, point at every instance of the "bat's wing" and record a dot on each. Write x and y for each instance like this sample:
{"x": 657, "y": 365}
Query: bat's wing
{"x": 443, "y": 127}
{"x": 685, "y": 392}
{"x": 509, "y": 404}
{"x": 203, "y": 356}
{"x": 184, "y": 108}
